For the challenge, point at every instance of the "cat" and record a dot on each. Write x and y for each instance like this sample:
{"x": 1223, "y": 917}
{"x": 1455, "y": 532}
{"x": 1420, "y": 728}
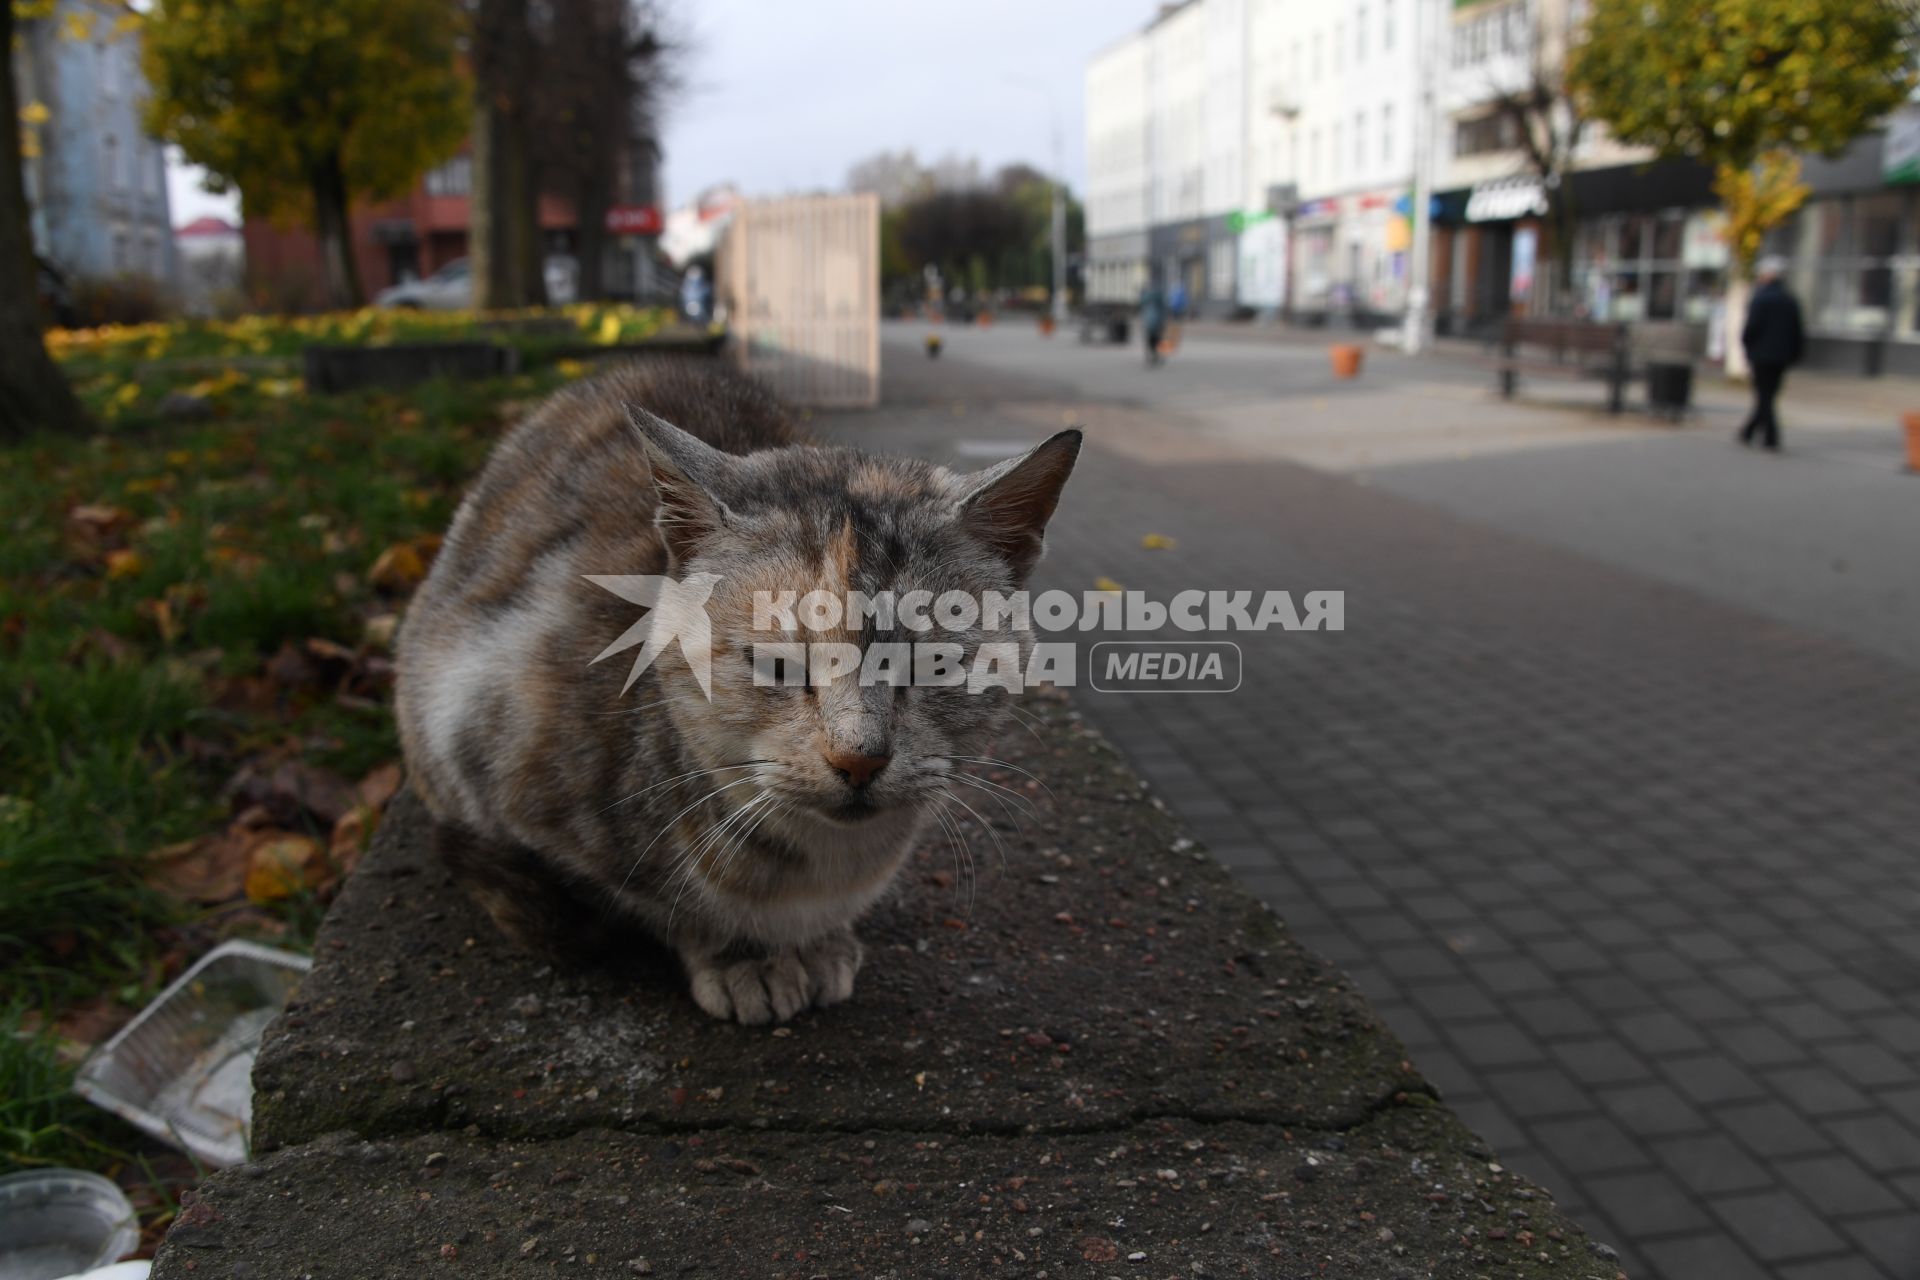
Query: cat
{"x": 747, "y": 830}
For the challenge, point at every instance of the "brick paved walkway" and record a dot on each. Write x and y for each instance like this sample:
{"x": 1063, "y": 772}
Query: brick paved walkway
{"x": 1634, "y": 874}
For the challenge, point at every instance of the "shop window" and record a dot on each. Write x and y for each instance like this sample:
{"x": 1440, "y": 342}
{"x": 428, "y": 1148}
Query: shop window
{"x": 1666, "y": 238}
{"x": 1632, "y": 234}
{"x": 1662, "y": 291}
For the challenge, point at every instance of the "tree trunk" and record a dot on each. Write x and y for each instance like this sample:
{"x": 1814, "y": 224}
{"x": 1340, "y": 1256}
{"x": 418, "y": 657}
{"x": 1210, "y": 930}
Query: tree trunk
{"x": 331, "y": 222}
{"x": 504, "y": 228}
{"x": 525, "y": 240}
{"x": 1739, "y": 289}
{"x": 33, "y": 394}
{"x": 486, "y": 254}
{"x": 590, "y": 205}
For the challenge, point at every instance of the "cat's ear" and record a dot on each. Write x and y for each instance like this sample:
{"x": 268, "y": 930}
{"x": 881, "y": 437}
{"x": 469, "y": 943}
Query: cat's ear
{"x": 686, "y": 470}
{"x": 1007, "y": 506}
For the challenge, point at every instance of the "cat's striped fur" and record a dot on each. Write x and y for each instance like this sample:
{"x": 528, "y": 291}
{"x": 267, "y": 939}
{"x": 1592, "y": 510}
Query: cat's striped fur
{"x": 724, "y": 827}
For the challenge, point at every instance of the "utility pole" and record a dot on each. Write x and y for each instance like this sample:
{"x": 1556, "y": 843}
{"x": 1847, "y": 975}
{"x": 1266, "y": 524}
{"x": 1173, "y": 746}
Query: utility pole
{"x": 1419, "y": 317}
{"x": 1059, "y": 236}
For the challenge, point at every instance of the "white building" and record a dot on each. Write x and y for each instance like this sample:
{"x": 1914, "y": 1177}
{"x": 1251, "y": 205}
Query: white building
{"x": 1257, "y": 152}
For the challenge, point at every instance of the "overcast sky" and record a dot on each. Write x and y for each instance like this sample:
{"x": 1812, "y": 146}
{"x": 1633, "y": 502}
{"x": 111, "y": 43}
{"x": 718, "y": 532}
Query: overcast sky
{"x": 786, "y": 97}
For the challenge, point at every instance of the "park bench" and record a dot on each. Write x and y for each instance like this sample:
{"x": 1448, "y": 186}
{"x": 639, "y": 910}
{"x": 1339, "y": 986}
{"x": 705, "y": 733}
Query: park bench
{"x": 1564, "y": 349}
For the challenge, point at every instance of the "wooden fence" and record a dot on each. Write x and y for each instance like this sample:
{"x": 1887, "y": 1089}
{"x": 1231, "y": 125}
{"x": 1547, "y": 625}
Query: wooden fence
{"x": 800, "y": 278}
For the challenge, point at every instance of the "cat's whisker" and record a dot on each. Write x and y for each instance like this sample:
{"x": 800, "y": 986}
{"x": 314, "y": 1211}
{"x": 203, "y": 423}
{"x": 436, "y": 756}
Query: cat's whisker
{"x": 1031, "y": 723}
{"x": 960, "y": 854}
{"x": 1008, "y": 765}
{"x": 688, "y": 865}
{"x": 997, "y": 789}
{"x": 682, "y": 777}
{"x": 998, "y": 844}
{"x": 668, "y": 825}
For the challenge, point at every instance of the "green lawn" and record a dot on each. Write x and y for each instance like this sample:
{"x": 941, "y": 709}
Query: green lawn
{"x": 184, "y": 599}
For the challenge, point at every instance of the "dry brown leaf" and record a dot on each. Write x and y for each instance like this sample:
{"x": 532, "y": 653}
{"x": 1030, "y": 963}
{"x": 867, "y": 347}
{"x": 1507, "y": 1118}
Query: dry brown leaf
{"x": 210, "y": 869}
{"x": 100, "y": 518}
{"x": 350, "y": 839}
{"x": 296, "y": 786}
{"x": 379, "y": 786}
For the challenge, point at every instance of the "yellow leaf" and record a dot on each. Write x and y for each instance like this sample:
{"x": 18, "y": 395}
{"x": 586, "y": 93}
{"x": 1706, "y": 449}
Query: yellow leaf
{"x": 35, "y": 113}
{"x": 1158, "y": 542}
{"x": 124, "y": 563}
{"x": 1104, "y": 583}
{"x": 609, "y": 330}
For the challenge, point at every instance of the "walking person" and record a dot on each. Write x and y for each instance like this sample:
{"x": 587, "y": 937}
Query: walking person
{"x": 1773, "y": 338}
{"x": 1153, "y": 319}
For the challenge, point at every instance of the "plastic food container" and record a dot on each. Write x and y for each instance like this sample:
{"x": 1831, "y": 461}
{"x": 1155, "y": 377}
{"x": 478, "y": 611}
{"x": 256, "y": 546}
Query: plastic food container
{"x": 183, "y": 1070}
{"x": 57, "y": 1222}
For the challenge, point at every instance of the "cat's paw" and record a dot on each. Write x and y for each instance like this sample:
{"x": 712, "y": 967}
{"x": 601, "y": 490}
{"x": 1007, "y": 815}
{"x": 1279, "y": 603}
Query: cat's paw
{"x": 831, "y": 962}
{"x": 776, "y": 987}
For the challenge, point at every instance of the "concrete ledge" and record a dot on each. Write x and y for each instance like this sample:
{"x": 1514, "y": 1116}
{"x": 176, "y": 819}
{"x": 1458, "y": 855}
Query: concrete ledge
{"x": 1114, "y": 1037}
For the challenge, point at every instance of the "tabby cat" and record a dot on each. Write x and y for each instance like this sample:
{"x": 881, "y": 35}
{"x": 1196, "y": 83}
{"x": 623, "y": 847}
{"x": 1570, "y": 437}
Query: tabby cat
{"x": 748, "y": 830}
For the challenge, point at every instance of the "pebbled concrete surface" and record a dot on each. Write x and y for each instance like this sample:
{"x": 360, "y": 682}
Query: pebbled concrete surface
{"x": 1114, "y": 1036}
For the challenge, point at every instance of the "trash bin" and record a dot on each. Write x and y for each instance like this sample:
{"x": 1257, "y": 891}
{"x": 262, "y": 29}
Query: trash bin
{"x": 1670, "y": 388}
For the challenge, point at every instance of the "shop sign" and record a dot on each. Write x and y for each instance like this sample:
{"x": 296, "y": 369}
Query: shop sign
{"x": 1900, "y": 153}
{"x": 1507, "y": 199}
{"x": 1327, "y": 208}
{"x": 634, "y": 220}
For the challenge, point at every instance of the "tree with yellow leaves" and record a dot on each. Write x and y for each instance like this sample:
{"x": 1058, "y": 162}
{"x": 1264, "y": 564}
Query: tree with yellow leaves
{"x": 1744, "y": 86}
{"x": 306, "y": 106}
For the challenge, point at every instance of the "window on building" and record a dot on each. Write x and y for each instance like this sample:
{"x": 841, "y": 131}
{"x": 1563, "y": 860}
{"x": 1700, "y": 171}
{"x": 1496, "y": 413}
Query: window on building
{"x": 1316, "y": 56}
{"x": 1483, "y": 135}
{"x": 1386, "y": 25}
{"x": 1360, "y": 141}
{"x": 155, "y": 267}
{"x": 453, "y": 178}
{"x": 153, "y": 166}
{"x": 107, "y": 59}
{"x": 1360, "y": 34}
{"x": 122, "y": 263}
{"x": 1339, "y": 44}
{"x": 1386, "y": 135}
{"x": 1334, "y": 152}
{"x": 113, "y": 160}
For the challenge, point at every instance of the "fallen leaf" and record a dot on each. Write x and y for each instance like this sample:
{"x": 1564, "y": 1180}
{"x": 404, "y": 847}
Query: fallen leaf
{"x": 282, "y": 864}
{"x": 100, "y": 518}
{"x": 350, "y": 837}
{"x": 1106, "y": 584}
{"x": 124, "y": 563}
{"x": 297, "y": 786}
{"x": 210, "y": 869}
{"x": 403, "y": 566}
{"x": 1158, "y": 542}
{"x": 379, "y": 630}
{"x": 379, "y": 786}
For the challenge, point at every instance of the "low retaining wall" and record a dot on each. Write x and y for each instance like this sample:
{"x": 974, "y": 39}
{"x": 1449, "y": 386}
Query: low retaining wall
{"x": 1105, "y": 1054}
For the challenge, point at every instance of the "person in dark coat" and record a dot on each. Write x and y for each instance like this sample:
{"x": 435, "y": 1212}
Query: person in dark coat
{"x": 1153, "y": 319}
{"x": 1773, "y": 338}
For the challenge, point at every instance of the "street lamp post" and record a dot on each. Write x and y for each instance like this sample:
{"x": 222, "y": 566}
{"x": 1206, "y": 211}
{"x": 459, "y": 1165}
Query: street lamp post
{"x": 1059, "y": 211}
{"x": 1418, "y": 320}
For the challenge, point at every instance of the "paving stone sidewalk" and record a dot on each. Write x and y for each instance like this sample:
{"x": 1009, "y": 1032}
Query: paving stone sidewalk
{"x": 1633, "y": 873}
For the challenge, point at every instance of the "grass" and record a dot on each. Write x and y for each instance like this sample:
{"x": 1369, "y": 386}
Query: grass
{"x": 149, "y": 573}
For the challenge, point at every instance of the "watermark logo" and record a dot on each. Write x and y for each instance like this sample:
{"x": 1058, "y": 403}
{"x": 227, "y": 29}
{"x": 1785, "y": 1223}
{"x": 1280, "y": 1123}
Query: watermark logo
{"x": 676, "y": 611}
{"x": 999, "y": 651}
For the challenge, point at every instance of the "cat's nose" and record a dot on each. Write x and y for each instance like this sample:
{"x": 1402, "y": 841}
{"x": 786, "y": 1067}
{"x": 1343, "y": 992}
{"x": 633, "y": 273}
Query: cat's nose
{"x": 856, "y": 768}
